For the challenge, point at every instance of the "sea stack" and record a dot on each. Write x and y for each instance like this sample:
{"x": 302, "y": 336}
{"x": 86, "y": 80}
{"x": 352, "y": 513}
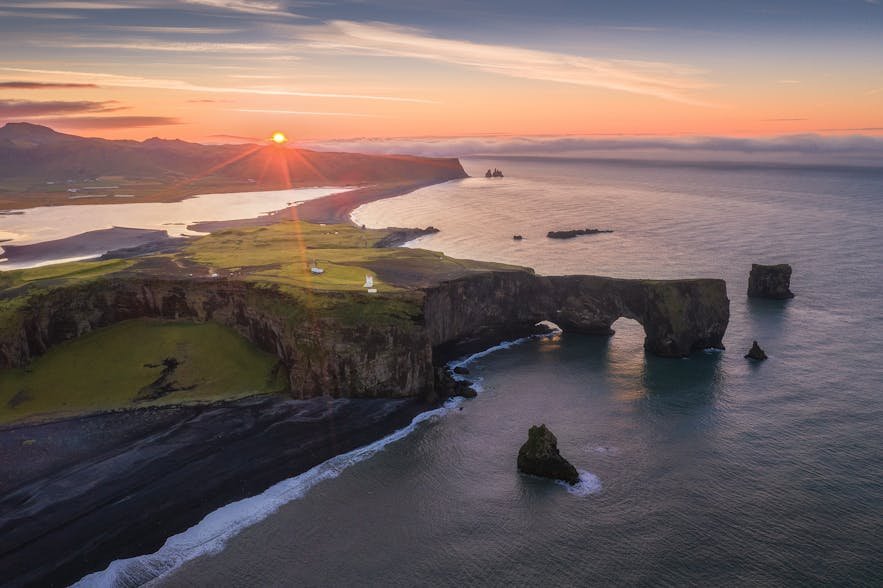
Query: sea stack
{"x": 756, "y": 353}
{"x": 539, "y": 456}
{"x": 770, "y": 281}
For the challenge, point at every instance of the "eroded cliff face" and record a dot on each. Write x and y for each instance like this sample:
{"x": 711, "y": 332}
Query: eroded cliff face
{"x": 678, "y": 316}
{"x": 339, "y": 354}
{"x": 321, "y": 354}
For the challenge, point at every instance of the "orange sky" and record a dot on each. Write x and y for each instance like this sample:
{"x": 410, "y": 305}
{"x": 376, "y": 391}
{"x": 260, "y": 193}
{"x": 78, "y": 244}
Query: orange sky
{"x": 322, "y": 79}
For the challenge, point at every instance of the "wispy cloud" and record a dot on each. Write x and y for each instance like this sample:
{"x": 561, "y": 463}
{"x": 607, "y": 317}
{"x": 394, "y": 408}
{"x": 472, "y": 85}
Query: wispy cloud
{"x": 114, "y": 80}
{"x": 783, "y": 119}
{"x": 16, "y": 85}
{"x": 272, "y": 8}
{"x": 788, "y": 82}
{"x": 309, "y": 112}
{"x": 668, "y": 81}
{"x": 170, "y": 30}
{"x": 73, "y": 5}
{"x": 165, "y": 46}
{"x": 235, "y": 138}
{"x": 32, "y": 109}
{"x": 39, "y": 15}
{"x": 258, "y": 7}
{"x": 112, "y": 122}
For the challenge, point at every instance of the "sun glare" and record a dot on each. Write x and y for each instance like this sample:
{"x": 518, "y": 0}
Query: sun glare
{"x": 279, "y": 138}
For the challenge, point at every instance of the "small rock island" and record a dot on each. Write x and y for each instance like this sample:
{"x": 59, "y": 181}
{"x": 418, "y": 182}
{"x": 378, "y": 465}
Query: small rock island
{"x": 539, "y": 456}
{"x": 493, "y": 174}
{"x": 770, "y": 281}
{"x": 574, "y": 233}
{"x": 756, "y": 353}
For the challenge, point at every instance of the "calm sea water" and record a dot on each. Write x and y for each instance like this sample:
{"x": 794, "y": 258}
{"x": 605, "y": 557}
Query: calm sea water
{"x": 705, "y": 471}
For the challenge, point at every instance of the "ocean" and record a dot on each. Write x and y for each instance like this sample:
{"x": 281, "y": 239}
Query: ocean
{"x": 710, "y": 470}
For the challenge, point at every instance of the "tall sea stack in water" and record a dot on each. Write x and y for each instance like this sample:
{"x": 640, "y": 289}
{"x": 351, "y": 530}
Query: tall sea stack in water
{"x": 770, "y": 281}
{"x": 539, "y": 456}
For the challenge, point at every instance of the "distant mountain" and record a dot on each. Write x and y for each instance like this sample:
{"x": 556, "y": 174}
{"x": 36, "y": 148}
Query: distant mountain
{"x": 40, "y": 153}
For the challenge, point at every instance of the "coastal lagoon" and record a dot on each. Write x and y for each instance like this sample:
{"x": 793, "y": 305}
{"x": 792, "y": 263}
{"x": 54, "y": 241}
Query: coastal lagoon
{"x": 48, "y": 223}
{"x": 707, "y": 470}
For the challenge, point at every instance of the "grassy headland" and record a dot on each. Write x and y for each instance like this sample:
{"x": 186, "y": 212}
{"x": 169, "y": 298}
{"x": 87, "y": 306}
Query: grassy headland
{"x": 105, "y": 369}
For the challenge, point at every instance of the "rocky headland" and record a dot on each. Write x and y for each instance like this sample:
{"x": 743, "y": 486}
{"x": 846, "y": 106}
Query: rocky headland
{"x": 342, "y": 350}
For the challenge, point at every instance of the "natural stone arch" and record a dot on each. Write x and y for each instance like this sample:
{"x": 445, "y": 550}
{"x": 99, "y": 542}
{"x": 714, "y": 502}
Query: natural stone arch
{"x": 678, "y": 316}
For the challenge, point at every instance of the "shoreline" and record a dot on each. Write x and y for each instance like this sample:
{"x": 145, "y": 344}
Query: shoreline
{"x": 140, "y": 467}
{"x": 334, "y": 208}
{"x": 206, "y": 537}
{"x": 66, "y": 484}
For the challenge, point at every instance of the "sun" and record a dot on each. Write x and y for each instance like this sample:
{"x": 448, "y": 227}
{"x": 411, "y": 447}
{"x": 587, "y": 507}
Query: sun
{"x": 279, "y": 138}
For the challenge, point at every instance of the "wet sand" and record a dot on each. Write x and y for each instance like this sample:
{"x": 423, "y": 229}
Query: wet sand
{"x": 80, "y": 493}
{"x": 331, "y": 209}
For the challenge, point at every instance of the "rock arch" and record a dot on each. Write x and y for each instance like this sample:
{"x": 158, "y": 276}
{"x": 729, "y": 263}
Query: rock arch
{"x": 678, "y": 316}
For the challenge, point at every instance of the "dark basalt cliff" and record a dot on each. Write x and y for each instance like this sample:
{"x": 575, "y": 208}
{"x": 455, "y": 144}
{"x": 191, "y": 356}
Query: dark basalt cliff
{"x": 340, "y": 354}
{"x": 322, "y": 354}
{"x": 678, "y": 316}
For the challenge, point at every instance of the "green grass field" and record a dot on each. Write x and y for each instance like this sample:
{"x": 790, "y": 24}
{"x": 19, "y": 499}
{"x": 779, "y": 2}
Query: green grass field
{"x": 105, "y": 370}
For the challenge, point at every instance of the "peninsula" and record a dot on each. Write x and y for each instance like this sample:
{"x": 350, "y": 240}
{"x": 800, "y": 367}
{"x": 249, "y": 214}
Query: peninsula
{"x": 158, "y": 350}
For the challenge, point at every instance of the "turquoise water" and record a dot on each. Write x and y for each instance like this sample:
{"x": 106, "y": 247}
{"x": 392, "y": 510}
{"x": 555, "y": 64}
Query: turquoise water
{"x": 704, "y": 471}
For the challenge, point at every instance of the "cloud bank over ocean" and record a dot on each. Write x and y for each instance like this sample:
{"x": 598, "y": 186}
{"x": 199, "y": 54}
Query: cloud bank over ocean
{"x": 807, "y": 149}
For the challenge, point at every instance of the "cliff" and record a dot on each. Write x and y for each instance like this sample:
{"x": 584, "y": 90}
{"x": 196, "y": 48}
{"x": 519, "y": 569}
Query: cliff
{"x": 342, "y": 351}
{"x": 678, "y": 316}
{"x": 358, "y": 345}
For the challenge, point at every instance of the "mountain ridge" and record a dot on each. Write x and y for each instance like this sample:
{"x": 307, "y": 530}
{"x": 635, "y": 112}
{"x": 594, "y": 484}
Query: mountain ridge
{"x": 40, "y": 153}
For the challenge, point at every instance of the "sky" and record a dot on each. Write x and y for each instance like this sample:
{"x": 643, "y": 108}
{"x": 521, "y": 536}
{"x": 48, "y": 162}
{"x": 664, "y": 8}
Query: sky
{"x": 238, "y": 70}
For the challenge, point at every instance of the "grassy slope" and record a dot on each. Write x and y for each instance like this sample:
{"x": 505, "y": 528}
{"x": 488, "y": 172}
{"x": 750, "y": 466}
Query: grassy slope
{"x": 105, "y": 370}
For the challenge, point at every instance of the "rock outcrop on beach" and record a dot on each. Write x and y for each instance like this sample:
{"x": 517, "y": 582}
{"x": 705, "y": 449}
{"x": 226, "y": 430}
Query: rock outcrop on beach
{"x": 770, "y": 281}
{"x": 756, "y": 353}
{"x": 539, "y": 456}
{"x": 446, "y": 386}
{"x": 575, "y": 233}
{"x": 399, "y": 237}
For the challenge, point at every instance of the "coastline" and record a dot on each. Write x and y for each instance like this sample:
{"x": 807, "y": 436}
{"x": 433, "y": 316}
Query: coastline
{"x": 138, "y": 466}
{"x": 111, "y": 486}
{"x": 122, "y": 242}
{"x": 332, "y": 209}
{"x": 66, "y": 484}
{"x": 211, "y": 533}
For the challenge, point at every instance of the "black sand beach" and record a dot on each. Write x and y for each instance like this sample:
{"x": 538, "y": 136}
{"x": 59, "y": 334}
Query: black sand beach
{"x": 80, "y": 493}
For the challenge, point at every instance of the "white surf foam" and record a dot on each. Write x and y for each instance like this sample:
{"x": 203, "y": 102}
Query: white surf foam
{"x": 500, "y": 347}
{"x": 211, "y": 534}
{"x": 588, "y": 484}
